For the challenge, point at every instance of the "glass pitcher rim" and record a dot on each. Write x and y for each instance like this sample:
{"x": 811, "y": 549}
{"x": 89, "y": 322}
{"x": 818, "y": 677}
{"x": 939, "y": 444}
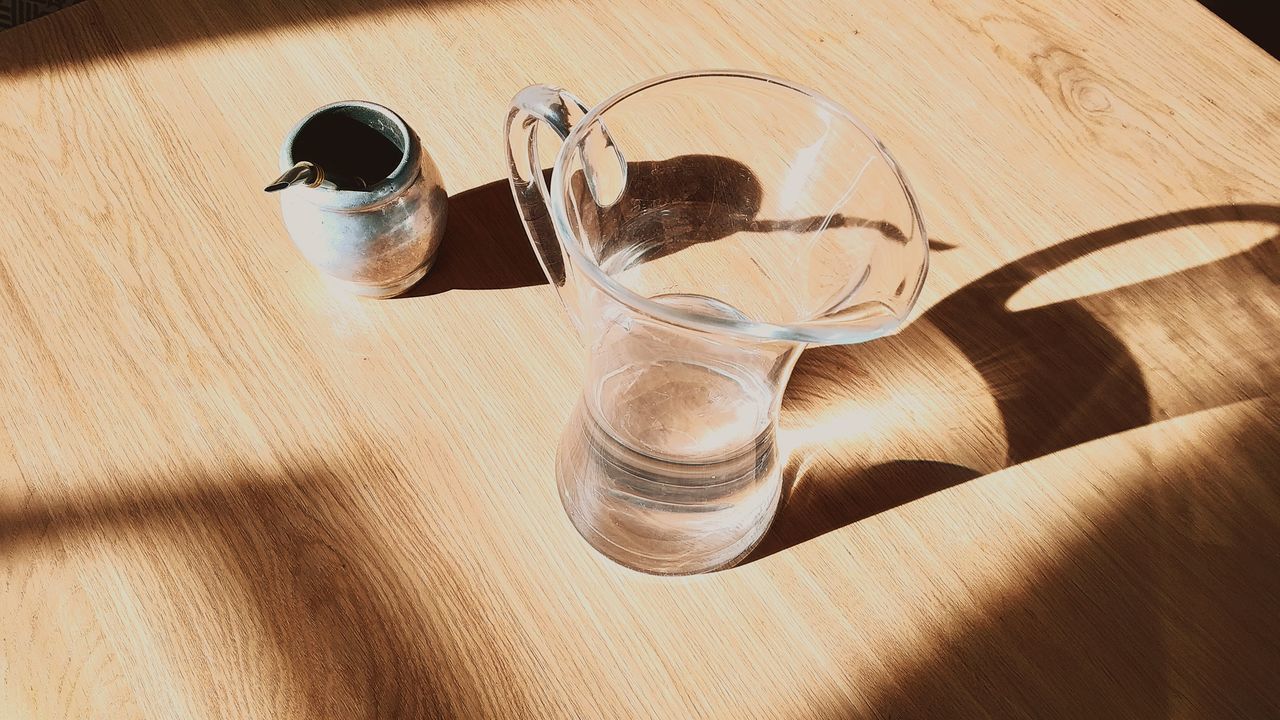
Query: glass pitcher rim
{"x": 816, "y": 332}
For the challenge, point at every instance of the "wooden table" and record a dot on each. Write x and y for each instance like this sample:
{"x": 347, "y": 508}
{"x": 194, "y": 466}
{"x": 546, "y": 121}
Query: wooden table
{"x": 230, "y": 492}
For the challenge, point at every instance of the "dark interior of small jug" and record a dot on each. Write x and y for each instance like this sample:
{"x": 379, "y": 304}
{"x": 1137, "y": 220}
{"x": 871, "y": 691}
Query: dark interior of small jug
{"x": 356, "y": 146}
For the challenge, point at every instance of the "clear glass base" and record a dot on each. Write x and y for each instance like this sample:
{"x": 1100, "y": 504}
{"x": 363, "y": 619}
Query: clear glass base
{"x": 661, "y": 516}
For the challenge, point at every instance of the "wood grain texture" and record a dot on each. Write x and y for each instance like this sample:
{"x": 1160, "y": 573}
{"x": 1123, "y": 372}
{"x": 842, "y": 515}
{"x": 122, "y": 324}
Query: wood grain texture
{"x": 226, "y": 491}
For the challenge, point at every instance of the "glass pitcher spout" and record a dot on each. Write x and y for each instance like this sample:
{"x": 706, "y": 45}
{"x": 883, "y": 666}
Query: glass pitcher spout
{"x": 721, "y": 222}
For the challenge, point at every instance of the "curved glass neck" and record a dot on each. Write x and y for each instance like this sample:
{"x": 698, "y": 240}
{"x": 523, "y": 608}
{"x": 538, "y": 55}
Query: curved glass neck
{"x": 765, "y": 197}
{"x": 678, "y": 394}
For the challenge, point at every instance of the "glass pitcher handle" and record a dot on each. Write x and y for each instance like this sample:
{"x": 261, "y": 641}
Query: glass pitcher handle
{"x": 604, "y": 167}
{"x": 559, "y": 110}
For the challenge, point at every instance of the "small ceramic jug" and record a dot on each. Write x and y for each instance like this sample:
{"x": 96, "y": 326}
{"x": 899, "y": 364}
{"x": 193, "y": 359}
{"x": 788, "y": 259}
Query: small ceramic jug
{"x": 361, "y": 199}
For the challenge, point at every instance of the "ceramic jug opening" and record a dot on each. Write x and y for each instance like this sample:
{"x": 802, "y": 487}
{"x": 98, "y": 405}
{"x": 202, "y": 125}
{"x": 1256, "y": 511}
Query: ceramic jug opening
{"x": 357, "y": 145}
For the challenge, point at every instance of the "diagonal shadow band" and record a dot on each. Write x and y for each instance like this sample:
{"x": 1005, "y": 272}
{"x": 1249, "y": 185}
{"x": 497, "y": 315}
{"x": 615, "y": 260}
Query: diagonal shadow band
{"x": 293, "y": 576}
{"x": 103, "y": 33}
{"x": 1058, "y": 375}
{"x": 1156, "y": 602}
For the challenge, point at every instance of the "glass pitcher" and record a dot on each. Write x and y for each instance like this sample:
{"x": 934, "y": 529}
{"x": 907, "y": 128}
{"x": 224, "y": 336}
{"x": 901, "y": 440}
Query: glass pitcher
{"x": 702, "y": 229}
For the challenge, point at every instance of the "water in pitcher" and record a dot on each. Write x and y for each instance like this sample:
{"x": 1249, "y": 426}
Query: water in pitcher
{"x": 674, "y": 456}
